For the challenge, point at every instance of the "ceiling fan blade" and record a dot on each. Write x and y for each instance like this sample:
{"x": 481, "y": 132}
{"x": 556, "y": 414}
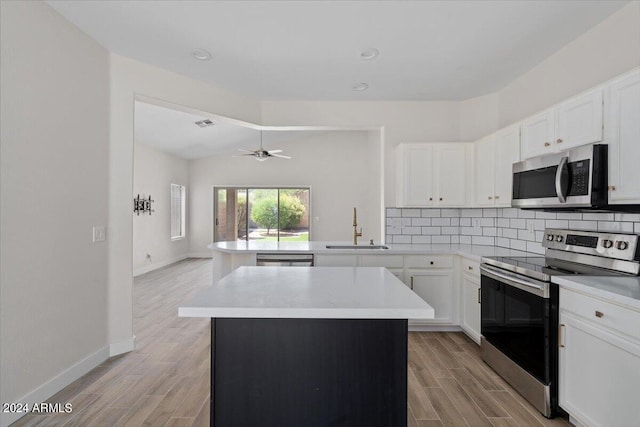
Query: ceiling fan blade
{"x": 246, "y": 151}
{"x": 242, "y": 155}
{"x": 279, "y": 155}
{"x": 274, "y": 151}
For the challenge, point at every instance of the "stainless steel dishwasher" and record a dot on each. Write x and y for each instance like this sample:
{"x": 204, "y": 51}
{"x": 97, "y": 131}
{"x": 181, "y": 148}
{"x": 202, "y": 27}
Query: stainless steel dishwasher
{"x": 281, "y": 259}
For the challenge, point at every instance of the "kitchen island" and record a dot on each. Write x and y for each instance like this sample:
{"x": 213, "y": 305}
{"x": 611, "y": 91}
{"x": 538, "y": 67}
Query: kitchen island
{"x": 298, "y": 346}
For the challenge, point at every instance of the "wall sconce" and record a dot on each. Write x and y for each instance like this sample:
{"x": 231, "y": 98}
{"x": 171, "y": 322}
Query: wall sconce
{"x": 142, "y": 205}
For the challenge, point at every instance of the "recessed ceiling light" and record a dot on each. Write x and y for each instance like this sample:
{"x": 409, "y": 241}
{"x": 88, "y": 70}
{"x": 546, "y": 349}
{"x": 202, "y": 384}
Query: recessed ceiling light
{"x": 369, "y": 53}
{"x": 359, "y": 87}
{"x": 201, "y": 55}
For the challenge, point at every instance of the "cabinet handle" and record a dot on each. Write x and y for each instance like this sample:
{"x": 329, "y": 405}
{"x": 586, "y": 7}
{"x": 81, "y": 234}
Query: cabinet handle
{"x": 560, "y": 326}
{"x": 479, "y": 297}
{"x": 546, "y": 144}
{"x": 490, "y": 197}
{"x": 599, "y": 314}
{"x": 497, "y": 197}
{"x": 470, "y": 268}
{"x": 612, "y": 188}
{"x": 430, "y": 199}
{"x": 430, "y": 262}
{"x": 440, "y": 198}
{"x": 411, "y": 286}
{"x": 559, "y": 141}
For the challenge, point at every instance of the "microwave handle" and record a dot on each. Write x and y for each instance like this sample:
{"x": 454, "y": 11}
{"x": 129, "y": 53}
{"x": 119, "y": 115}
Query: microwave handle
{"x": 561, "y": 173}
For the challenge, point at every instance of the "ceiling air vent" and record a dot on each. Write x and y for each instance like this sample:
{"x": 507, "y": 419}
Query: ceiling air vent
{"x": 204, "y": 123}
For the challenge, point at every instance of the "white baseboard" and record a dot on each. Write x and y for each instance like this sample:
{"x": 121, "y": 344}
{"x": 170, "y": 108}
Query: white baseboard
{"x": 122, "y": 346}
{"x": 157, "y": 265}
{"x": 57, "y": 383}
{"x": 416, "y": 327}
{"x": 199, "y": 254}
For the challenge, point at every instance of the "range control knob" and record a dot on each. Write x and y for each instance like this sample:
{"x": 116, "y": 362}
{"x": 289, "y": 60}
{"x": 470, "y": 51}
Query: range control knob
{"x": 550, "y": 237}
{"x": 622, "y": 245}
{"x": 559, "y": 238}
{"x": 607, "y": 243}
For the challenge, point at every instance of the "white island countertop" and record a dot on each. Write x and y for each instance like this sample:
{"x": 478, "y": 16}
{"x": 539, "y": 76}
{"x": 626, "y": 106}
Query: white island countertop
{"x": 308, "y": 292}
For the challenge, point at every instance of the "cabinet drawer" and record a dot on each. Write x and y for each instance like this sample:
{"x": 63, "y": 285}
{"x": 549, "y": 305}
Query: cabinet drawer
{"x": 429, "y": 261}
{"x": 612, "y": 316}
{"x": 392, "y": 261}
{"x": 470, "y": 267}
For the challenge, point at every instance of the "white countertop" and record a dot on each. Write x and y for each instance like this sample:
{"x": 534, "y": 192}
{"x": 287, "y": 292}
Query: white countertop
{"x": 309, "y": 292}
{"x": 623, "y": 290}
{"x": 319, "y": 247}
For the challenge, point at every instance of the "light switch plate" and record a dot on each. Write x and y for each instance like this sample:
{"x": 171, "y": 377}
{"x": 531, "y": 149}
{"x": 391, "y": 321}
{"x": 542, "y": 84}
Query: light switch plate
{"x": 99, "y": 233}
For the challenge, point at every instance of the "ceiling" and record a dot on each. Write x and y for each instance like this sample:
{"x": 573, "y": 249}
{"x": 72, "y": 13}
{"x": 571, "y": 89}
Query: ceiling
{"x": 310, "y": 50}
{"x": 175, "y": 132}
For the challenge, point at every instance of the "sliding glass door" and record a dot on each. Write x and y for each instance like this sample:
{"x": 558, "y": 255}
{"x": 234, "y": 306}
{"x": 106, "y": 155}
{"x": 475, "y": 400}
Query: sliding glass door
{"x": 276, "y": 214}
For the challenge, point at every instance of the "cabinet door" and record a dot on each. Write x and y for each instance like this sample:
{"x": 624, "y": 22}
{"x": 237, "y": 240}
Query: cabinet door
{"x": 452, "y": 167}
{"x": 622, "y": 129}
{"x": 506, "y": 153}
{"x": 436, "y": 288}
{"x": 599, "y": 374}
{"x": 416, "y": 173}
{"x": 484, "y": 172}
{"x": 537, "y": 134}
{"x": 470, "y": 310}
{"x": 580, "y": 121}
{"x": 321, "y": 260}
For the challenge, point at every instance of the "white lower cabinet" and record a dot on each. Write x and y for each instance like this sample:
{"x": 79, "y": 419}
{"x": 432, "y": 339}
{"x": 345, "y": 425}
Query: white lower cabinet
{"x": 599, "y": 362}
{"x": 436, "y": 288}
{"x": 470, "y": 299}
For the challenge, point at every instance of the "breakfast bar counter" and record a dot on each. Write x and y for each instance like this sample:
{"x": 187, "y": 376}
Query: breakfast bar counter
{"x": 299, "y": 346}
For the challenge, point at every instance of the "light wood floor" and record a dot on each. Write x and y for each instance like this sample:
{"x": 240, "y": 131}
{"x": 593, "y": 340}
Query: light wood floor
{"x": 165, "y": 381}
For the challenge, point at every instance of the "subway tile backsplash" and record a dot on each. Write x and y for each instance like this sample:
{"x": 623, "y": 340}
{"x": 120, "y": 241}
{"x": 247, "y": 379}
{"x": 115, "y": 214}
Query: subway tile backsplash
{"x": 504, "y": 227}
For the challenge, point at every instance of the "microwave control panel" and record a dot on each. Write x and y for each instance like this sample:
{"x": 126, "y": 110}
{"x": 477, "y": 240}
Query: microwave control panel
{"x": 579, "y": 181}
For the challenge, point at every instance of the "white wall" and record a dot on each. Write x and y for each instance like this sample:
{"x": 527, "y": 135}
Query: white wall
{"x": 128, "y": 79}
{"x": 153, "y": 173}
{"x": 411, "y": 121}
{"x": 341, "y": 168}
{"x": 605, "y": 51}
{"x": 54, "y": 175}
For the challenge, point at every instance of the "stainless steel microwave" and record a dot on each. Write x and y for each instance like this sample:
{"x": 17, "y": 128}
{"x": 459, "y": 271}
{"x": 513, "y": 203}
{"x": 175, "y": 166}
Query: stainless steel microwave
{"x": 572, "y": 179}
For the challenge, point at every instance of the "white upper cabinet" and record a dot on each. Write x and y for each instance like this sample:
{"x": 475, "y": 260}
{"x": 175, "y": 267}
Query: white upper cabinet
{"x": 433, "y": 174}
{"x": 485, "y": 179}
{"x": 622, "y": 133}
{"x": 452, "y": 169}
{"x": 537, "y": 134}
{"x": 494, "y": 157}
{"x": 575, "y": 122}
{"x": 415, "y": 173}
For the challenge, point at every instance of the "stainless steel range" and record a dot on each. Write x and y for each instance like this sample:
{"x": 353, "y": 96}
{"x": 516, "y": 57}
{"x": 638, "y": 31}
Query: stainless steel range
{"x": 519, "y": 310}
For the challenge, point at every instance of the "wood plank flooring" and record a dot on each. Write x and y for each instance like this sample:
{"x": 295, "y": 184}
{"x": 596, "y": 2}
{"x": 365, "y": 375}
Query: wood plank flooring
{"x": 165, "y": 380}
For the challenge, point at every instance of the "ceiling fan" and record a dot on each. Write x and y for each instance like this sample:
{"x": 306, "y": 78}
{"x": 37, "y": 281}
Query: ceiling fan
{"x": 261, "y": 154}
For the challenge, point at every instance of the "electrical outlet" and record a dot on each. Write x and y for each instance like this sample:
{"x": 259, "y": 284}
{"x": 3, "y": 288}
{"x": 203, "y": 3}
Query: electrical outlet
{"x": 99, "y": 233}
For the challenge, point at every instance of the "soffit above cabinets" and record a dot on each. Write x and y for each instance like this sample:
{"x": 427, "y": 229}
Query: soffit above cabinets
{"x": 317, "y": 50}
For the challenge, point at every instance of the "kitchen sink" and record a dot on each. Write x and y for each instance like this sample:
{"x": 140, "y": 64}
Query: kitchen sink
{"x": 357, "y": 247}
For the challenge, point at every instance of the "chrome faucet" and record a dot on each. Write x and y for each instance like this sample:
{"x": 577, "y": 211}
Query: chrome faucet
{"x": 356, "y": 234}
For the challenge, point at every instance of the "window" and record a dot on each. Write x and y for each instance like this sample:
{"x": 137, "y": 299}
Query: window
{"x": 245, "y": 213}
{"x": 177, "y": 211}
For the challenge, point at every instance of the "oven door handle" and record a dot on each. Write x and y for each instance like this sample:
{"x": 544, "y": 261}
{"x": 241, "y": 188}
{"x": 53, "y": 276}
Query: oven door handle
{"x": 562, "y": 174}
{"x": 528, "y": 285}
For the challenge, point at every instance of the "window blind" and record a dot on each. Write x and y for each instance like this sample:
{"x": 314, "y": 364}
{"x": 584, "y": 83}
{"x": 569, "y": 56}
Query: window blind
{"x": 177, "y": 211}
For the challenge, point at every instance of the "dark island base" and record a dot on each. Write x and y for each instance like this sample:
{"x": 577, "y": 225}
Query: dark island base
{"x": 308, "y": 372}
